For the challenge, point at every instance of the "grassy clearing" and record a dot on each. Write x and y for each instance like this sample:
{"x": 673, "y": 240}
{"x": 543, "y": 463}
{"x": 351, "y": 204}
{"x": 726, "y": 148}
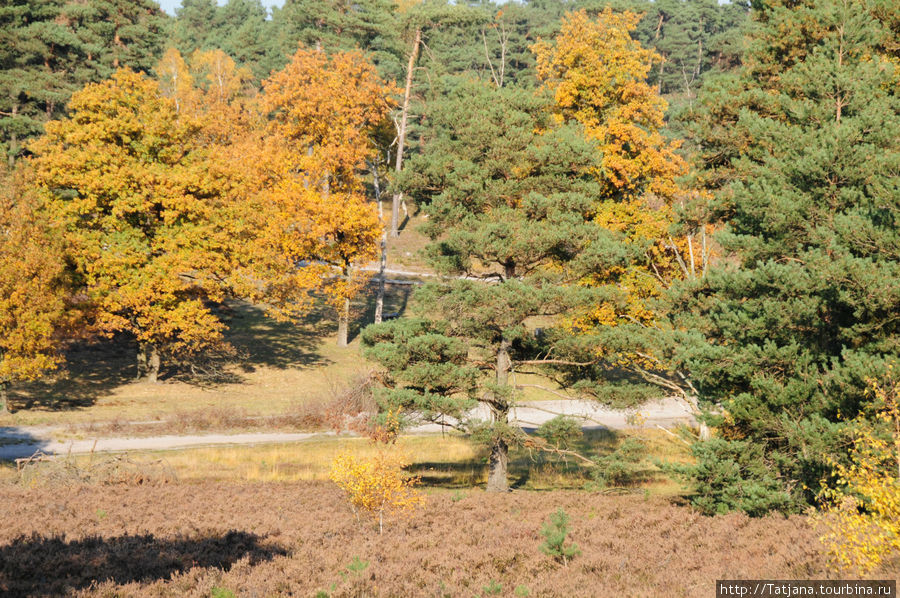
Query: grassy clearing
{"x": 283, "y": 369}
{"x": 452, "y": 462}
{"x": 405, "y": 251}
{"x": 282, "y": 366}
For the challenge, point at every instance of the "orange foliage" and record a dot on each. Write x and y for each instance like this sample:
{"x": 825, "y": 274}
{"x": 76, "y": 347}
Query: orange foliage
{"x": 33, "y": 284}
{"x": 598, "y": 73}
{"x": 323, "y": 109}
{"x": 147, "y": 216}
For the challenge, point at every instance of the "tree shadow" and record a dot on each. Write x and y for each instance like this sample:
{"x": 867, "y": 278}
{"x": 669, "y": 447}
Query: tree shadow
{"x": 458, "y": 475}
{"x": 95, "y": 368}
{"x": 260, "y": 340}
{"x": 396, "y": 300}
{"x": 16, "y": 444}
{"x": 53, "y": 566}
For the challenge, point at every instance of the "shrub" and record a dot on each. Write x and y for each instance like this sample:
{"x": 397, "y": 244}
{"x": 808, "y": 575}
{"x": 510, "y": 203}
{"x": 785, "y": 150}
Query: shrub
{"x": 862, "y": 511}
{"x": 377, "y": 485}
{"x": 731, "y": 475}
{"x": 555, "y": 532}
{"x": 623, "y": 467}
{"x": 561, "y": 431}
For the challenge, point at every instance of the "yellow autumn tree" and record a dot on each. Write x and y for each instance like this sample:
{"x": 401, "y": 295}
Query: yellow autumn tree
{"x": 862, "y": 510}
{"x": 35, "y": 285}
{"x": 322, "y": 110}
{"x": 597, "y": 74}
{"x": 377, "y": 484}
{"x": 147, "y": 214}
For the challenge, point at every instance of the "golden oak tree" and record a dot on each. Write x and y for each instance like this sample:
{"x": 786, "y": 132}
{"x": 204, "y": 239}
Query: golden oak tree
{"x": 323, "y": 109}
{"x": 35, "y": 286}
{"x": 597, "y": 74}
{"x": 146, "y": 213}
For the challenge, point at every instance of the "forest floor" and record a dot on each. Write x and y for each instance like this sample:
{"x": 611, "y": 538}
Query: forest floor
{"x": 207, "y": 538}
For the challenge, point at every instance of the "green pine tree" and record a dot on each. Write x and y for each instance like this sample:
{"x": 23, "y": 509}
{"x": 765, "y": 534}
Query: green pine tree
{"x": 51, "y": 48}
{"x": 804, "y": 161}
{"x": 512, "y": 218}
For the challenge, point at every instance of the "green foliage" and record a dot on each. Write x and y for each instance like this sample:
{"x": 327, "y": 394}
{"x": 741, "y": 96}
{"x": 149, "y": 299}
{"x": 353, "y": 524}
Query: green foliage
{"x": 561, "y": 431}
{"x": 240, "y": 28}
{"x": 357, "y": 566}
{"x": 217, "y": 592}
{"x": 694, "y": 37}
{"x": 732, "y": 475}
{"x": 370, "y": 25}
{"x": 555, "y": 532}
{"x": 509, "y": 220}
{"x": 51, "y": 48}
{"x": 522, "y": 590}
{"x": 493, "y": 588}
{"x": 622, "y": 467}
{"x": 802, "y": 148}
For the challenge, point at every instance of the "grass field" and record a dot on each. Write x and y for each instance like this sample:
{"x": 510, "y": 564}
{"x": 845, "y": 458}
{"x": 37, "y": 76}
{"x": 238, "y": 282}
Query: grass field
{"x": 450, "y": 461}
{"x": 280, "y": 367}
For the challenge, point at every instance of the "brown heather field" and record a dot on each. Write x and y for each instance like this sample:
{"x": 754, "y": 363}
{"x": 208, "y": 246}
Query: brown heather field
{"x": 301, "y": 539}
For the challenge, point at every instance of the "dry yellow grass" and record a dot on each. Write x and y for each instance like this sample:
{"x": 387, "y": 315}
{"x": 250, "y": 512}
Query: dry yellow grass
{"x": 441, "y": 462}
{"x": 286, "y": 365}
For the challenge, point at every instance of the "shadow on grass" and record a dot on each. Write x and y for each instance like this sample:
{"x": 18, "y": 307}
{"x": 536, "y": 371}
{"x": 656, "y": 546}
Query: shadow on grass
{"x": 53, "y": 566}
{"x": 536, "y": 469}
{"x": 260, "y": 340}
{"x": 396, "y": 300}
{"x": 94, "y": 369}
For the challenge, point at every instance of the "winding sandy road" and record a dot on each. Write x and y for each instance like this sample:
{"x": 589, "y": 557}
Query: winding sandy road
{"x": 23, "y": 441}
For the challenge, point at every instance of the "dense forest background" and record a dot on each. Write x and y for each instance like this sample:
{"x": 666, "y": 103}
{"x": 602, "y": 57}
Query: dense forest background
{"x": 54, "y": 48}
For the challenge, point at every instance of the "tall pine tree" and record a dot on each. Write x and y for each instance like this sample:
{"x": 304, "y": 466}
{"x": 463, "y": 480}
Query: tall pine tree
{"x": 804, "y": 158}
{"x": 510, "y": 223}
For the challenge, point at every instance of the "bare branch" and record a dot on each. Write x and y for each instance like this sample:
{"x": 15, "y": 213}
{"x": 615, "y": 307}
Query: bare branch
{"x": 673, "y": 435}
{"x": 556, "y": 362}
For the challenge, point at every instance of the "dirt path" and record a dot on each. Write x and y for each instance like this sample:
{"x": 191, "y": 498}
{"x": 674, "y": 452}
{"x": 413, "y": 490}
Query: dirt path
{"x": 24, "y": 441}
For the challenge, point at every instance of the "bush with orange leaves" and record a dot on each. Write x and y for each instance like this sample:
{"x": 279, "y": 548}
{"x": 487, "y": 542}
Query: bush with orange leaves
{"x": 378, "y": 485}
{"x": 862, "y": 513}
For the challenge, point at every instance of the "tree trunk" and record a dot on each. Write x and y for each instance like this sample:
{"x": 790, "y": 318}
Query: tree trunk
{"x": 704, "y": 432}
{"x": 148, "y": 362}
{"x": 401, "y": 133}
{"x": 344, "y": 324}
{"x": 379, "y": 299}
{"x": 141, "y": 362}
{"x": 153, "y": 365}
{"x": 499, "y": 459}
{"x": 498, "y": 464}
{"x": 13, "y": 141}
{"x": 4, "y": 397}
